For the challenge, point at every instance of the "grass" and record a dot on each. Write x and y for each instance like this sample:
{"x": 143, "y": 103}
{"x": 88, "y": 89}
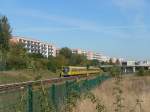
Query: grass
{"x": 136, "y": 93}
{"x": 25, "y": 75}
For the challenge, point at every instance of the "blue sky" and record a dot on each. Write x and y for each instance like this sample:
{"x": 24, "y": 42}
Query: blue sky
{"x": 118, "y": 28}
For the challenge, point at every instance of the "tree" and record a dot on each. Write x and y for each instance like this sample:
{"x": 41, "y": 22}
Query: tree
{"x": 115, "y": 71}
{"x": 110, "y": 61}
{"x": 95, "y": 62}
{"x": 52, "y": 64}
{"x": 17, "y": 57}
{"x": 66, "y": 52}
{"x": 61, "y": 61}
{"x": 36, "y": 55}
{"x": 141, "y": 72}
{"x": 5, "y": 35}
{"x": 117, "y": 62}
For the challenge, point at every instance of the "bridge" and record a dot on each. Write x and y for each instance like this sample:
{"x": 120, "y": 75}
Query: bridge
{"x": 127, "y": 68}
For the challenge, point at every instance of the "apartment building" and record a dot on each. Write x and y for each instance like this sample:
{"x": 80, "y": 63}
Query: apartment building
{"x": 104, "y": 58}
{"x": 79, "y": 51}
{"x": 36, "y": 46}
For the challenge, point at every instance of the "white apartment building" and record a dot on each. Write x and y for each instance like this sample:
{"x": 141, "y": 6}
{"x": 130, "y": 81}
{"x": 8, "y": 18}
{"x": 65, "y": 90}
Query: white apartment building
{"x": 90, "y": 55}
{"x": 104, "y": 58}
{"x": 98, "y": 56}
{"x": 35, "y": 46}
{"x": 79, "y": 51}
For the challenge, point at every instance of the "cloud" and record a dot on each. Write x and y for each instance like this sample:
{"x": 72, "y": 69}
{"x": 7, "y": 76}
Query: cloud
{"x": 132, "y": 9}
{"x": 76, "y": 24}
{"x": 72, "y": 22}
{"x": 130, "y": 4}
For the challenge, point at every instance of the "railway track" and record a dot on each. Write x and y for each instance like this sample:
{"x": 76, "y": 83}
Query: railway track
{"x": 22, "y": 85}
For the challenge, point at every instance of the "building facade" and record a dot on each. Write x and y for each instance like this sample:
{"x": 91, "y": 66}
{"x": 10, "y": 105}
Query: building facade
{"x": 79, "y": 51}
{"x": 35, "y": 46}
{"x": 104, "y": 58}
{"x": 98, "y": 56}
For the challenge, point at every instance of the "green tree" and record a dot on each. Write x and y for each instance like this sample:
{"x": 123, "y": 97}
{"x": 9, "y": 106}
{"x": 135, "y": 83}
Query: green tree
{"x": 17, "y": 57}
{"x": 110, "y": 61}
{"x": 141, "y": 72}
{"x": 35, "y": 55}
{"x": 66, "y": 52}
{"x": 117, "y": 62}
{"x": 115, "y": 71}
{"x": 77, "y": 59}
{"x": 61, "y": 61}
{"x": 5, "y": 35}
{"x": 95, "y": 62}
{"x": 52, "y": 64}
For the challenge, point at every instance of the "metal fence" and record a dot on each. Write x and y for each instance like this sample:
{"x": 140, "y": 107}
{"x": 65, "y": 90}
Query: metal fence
{"x": 45, "y": 97}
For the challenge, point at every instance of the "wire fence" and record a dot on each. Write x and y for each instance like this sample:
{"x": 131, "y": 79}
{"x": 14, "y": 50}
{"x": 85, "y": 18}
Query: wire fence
{"x": 46, "y": 97}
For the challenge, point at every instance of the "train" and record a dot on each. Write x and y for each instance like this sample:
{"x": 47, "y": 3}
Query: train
{"x": 75, "y": 71}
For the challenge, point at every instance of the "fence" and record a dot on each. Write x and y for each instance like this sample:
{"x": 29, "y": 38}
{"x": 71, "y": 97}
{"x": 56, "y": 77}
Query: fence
{"x": 46, "y": 97}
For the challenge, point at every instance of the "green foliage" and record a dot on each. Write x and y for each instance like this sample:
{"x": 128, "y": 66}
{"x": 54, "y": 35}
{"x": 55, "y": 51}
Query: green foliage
{"x": 115, "y": 71}
{"x": 78, "y": 59}
{"x": 35, "y": 55}
{"x": 5, "y": 33}
{"x": 95, "y": 62}
{"x": 69, "y": 58}
{"x": 17, "y": 57}
{"x": 66, "y": 52}
{"x": 117, "y": 62}
{"x": 141, "y": 72}
{"x": 52, "y": 64}
{"x": 110, "y": 61}
{"x": 61, "y": 61}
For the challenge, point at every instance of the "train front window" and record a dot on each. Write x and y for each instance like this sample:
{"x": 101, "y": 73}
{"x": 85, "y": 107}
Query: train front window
{"x": 65, "y": 69}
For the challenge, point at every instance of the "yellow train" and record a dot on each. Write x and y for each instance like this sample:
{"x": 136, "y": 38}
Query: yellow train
{"x": 74, "y": 70}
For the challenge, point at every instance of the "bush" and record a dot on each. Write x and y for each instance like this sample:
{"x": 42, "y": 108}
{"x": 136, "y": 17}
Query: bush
{"x": 115, "y": 71}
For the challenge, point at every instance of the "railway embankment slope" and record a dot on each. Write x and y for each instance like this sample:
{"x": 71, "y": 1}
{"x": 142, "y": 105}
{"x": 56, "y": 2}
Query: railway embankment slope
{"x": 135, "y": 96}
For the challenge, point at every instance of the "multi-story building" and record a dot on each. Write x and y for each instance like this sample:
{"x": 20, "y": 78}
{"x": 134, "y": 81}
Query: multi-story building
{"x": 90, "y": 55}
{"x": 98, "y": 56}
{"x": 79, "y": 51}
{"x": 35, "y": 46}
{"x": 104, "y": 58}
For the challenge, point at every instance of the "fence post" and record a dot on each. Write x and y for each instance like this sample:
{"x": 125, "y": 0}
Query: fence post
{"x": 54, "y": 96}
{"x": 67, "y": 89}
{"x": 86, "y": 85}
{"x": 30, "y": 98}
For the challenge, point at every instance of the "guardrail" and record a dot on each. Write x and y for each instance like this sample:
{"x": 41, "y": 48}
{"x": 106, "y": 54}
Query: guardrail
{"x": 35, "y": 96}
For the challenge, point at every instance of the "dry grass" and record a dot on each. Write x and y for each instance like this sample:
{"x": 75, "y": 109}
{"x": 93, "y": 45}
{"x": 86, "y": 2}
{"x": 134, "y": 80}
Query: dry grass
{"x": 25, "y": 75}
{"x": 133, "y": 88}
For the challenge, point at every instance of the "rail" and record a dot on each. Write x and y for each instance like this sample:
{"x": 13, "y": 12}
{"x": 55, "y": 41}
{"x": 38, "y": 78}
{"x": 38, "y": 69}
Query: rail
{"x": 5, "y": 87}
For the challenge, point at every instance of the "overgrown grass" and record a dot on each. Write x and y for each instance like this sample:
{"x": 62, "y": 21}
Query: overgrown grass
{"x": 132, "y": 96}
{"x": 25, "y": 75}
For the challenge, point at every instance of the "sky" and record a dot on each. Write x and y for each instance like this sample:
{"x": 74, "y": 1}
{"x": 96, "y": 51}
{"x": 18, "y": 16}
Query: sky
{"x": 117, "y": 28}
